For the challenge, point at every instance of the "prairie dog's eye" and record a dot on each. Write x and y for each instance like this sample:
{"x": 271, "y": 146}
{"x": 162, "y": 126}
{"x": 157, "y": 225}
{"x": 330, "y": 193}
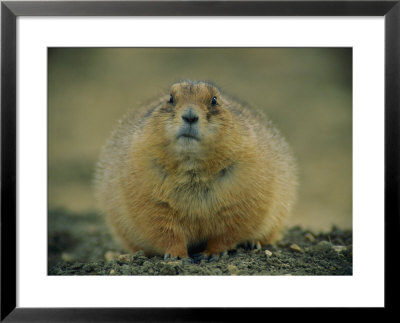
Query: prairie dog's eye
{"x": 214, "y": 100}
{"x": 171, "y": 98}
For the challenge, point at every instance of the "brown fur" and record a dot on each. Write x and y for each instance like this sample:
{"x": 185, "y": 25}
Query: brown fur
{"x": 235, "y": 183}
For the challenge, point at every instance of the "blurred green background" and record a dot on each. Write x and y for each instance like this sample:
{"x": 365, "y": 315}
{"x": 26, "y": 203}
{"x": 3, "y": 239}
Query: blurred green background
{"x": 307, "y": 92}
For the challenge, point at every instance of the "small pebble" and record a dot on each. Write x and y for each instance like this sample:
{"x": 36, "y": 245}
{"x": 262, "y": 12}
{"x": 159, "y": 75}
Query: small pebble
{"x": 173, "y": 262}
{"x": 296, "y": 248}
{"x": 125, "y": 259}
{"x": 323, "y": 246}
{"x": 233, "y": 270}
{"x": 111, "y": 255}
{"x": 339, "y": 249}
{"x": 268, "y": 253}
{"x": 309, "y": 237}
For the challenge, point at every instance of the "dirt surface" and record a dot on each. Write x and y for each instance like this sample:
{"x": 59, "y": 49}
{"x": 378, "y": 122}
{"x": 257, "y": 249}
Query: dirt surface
{"x": 81, "y": 244}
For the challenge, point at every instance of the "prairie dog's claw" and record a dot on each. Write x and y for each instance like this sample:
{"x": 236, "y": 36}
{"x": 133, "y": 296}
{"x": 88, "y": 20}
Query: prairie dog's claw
{"x": 253, "y": 245}
{"x": 214, "y": 256}
{"x": 256, "y": 245}
{"x": 186, "y": 260}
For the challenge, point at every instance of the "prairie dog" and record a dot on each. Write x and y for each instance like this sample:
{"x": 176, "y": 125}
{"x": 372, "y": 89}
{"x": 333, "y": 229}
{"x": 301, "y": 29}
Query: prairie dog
{"x": 195, "y": 166}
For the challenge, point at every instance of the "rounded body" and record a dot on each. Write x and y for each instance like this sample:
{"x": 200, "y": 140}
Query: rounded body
{"x": 195, "y": 166}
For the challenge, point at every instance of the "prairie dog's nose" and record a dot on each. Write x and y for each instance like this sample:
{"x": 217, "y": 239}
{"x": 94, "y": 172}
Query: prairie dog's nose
{"x": 190, "y": 116}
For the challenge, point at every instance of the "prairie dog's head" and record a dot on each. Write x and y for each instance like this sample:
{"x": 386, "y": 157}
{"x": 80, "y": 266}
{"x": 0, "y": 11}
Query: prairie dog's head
{"x": 196, "y": 118}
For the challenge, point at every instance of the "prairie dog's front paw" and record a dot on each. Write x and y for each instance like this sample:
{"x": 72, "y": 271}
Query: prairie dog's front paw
{"x": 253, "y": 245}
{"x": 169, "y": 257}
{"x": 214, "y": 256}
{"x": 176, "y": 254}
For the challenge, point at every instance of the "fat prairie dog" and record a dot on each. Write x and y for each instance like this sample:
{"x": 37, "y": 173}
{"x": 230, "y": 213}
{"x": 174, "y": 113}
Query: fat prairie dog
{"x": 195, "y": 166}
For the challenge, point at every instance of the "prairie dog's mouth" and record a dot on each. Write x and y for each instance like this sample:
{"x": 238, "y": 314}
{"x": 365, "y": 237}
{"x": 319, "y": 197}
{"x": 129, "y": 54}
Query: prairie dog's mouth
{"x": 189, "y": 136}
{"x": 188, "y": 133}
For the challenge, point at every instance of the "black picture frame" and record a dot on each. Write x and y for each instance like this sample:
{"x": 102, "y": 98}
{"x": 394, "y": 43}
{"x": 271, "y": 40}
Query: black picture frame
{"x": 10, "y": 10}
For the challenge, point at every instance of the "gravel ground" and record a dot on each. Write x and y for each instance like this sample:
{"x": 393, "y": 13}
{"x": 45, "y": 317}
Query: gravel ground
{"x": 81, "y": 244}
